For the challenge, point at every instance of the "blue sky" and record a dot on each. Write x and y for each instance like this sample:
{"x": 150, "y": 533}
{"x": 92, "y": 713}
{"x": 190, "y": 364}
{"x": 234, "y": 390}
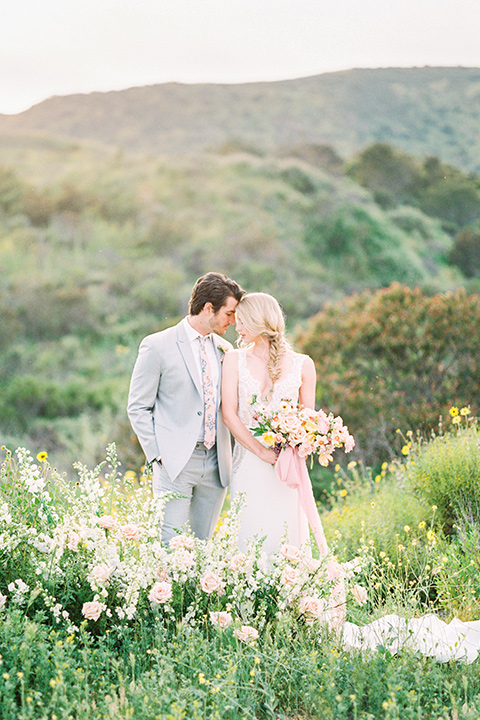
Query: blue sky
{"x": 59, "y": 47}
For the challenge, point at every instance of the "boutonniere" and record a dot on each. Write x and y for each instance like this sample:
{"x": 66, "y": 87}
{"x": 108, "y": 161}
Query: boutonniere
{"x": 223, "y": 349}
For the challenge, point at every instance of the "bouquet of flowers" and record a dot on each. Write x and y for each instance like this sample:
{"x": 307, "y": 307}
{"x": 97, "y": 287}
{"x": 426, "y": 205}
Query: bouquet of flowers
{"x": 310, "y": 432}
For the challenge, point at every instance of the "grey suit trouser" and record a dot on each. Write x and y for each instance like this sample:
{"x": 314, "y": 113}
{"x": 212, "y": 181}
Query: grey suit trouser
{"x": 204, "y": 494}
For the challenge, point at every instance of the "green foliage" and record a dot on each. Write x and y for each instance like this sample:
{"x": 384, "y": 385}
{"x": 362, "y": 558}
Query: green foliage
{"x": 394, "y": 358}
{"x": 466, "y": 251}
{"x": 439, "y": 190}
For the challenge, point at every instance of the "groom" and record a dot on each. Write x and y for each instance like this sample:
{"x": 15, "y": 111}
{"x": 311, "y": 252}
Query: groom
{"x": 173, "y": 406}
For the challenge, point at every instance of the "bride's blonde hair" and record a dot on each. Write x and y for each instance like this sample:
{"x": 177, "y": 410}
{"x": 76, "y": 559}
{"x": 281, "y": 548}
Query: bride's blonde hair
{"x": 262, "y": 316}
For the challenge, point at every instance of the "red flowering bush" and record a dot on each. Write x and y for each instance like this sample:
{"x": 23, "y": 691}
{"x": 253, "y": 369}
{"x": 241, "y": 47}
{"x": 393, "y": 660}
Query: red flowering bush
{"x": 395, "y": 358}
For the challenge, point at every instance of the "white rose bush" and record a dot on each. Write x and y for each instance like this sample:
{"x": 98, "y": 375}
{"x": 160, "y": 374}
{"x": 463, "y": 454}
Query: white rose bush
{"x": 89, "y": 554}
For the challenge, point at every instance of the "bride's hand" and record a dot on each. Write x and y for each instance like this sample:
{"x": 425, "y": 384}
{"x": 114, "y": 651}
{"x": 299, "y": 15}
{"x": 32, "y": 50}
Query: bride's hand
{"x": 269, "y": 456}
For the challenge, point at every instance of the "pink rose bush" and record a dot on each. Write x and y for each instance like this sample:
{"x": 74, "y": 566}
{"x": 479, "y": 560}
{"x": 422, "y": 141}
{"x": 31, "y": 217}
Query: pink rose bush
{"x": 309, "y": 432}
{"x": 110, "y": 549}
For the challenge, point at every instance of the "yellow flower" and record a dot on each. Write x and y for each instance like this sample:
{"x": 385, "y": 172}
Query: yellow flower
{"x": 406, "y": 449}
{"x": 351, "y": 465}
{"x": 343, "y": 493}
{"x": 337, "y": 467}
{"x": 384, "y": 466}
{"x": 268, "y": 438}
{"x": 378, "y": 478}
{"x": 453, "y": 411}
{"x": 42, "y": 456}
{"x": 465, "y": 411}
{"x": 456, "y": 419}
{"x": 130, "y": 475}
{"x": 406, "y": 528}
{"x": 201, "y": 678}
{"x": 422, "y": 525}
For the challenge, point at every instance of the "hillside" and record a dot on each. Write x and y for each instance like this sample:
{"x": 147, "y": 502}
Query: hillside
{"x": 99, "y": 248}
{"x": 424, "y": 111}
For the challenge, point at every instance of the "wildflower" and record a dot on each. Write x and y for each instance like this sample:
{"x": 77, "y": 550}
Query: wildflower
{"x": 378, "y": 478}
{"x": 384, "y": 465}
{"x": 465, "y": 411}
{"x": 401, "y": 548}
{"x": 42, "y": 456}
{"x": 351, "y": 465}
{"x": 422, "y": 525}
{"x": 406, "y": 449}
{"x": 343, "y": 493}
{"x": 201, "y": 678}
{"x": 453, "y": 411}
{"x": 406, "y": 528}
{"x": 434, "y": 508}
{"x": 457, "y": 419}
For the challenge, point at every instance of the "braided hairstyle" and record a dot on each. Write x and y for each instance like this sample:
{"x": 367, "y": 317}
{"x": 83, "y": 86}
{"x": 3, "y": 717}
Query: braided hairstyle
{"x": 262, "y": 315}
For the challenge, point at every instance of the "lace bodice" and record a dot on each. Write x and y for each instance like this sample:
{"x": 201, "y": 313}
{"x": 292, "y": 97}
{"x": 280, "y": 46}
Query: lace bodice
{"x": 287, "y": 388}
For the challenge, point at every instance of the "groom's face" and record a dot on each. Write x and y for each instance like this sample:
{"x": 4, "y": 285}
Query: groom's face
{"x": 220, "y": 321}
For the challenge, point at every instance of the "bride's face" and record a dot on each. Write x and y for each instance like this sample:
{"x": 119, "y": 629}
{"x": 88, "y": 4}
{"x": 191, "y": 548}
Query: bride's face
{"x": 242, "y": 331}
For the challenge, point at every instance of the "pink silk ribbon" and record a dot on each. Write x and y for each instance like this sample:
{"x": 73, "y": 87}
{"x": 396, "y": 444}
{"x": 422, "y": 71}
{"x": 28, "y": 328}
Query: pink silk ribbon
{"x": 292, "y": 469}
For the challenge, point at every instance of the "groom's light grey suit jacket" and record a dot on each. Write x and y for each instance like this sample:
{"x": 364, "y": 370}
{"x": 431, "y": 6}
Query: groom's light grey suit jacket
{"x": 165, "y": 402}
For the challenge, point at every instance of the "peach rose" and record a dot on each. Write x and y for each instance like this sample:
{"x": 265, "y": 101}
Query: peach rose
{"x": 130, "y": 531}
{"x": 360, "y": 594}
{"x": 291, "y": 552}
{"x": 160, "y": 592}
{"x": 211, "y": 583}
{"x": 237, "y": 562}
{"x": 289, "y": 575}
{"x": 92, "y": 610}
{"x": 185, "y": 541}
{"x": 73, "y": 540}
{"x": 311, "y": 606}
{"x": 107, "y": 522}
{"x": 222, "y": 619}
{"x": 246, "y": 633}
{"x": 102, "y": 572}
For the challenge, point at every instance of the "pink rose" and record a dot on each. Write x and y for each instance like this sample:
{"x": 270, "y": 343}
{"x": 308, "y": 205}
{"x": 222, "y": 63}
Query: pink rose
{"x": 183, "y": 559}
{"x": 73, "y": 540}
{"x": 211, "y": 583}
{"x": 237, "y": 562}
{"x": 291, "y": 552}
{"x": 311, "y": 606}
{"x": 360, "y": 594}
{"x": 222, "y": 619}
{"x": 92, "y": 610}
{"x": 349, "y": 443}
{"x": 102, "y": 572}
{"x": 160, "y": 592}
{"x": 185, "y": 541}
{"x": 107, "y": 522}
{"x": 323, "y": 423}
{"x": 246, "y": 633}
{"x": 130, "y": 531}
{"x": 289, "y": 575}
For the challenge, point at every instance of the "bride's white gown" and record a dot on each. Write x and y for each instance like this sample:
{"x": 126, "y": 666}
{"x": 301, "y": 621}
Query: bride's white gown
{"x": 271, "y": 509}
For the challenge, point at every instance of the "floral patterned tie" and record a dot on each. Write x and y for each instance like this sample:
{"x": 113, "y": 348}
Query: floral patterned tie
{"x": 208, "y": 395}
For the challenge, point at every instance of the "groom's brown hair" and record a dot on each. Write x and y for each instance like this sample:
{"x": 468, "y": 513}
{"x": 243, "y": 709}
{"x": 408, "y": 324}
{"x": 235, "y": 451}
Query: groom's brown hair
{"x": 214, "y": 288}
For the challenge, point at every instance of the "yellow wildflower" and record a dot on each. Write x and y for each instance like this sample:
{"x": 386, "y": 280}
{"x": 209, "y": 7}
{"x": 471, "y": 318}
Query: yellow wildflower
{"x": 456, "y": 419}
{"x": 453, "y": 411}
{"x": 42, "y": 456}
{"x": 343, "y": 493}
{"x": 465, "y": 411}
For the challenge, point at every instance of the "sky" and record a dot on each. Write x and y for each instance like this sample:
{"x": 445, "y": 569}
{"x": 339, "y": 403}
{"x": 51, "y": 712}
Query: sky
{"x": 62, "y": 47}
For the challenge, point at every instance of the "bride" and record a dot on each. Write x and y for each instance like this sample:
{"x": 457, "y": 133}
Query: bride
{"x": 266, "y": 368}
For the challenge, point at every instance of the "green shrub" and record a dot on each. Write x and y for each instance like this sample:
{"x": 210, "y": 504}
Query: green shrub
{"x": 445, "y": 472}
{"x": 394, "y": 358}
